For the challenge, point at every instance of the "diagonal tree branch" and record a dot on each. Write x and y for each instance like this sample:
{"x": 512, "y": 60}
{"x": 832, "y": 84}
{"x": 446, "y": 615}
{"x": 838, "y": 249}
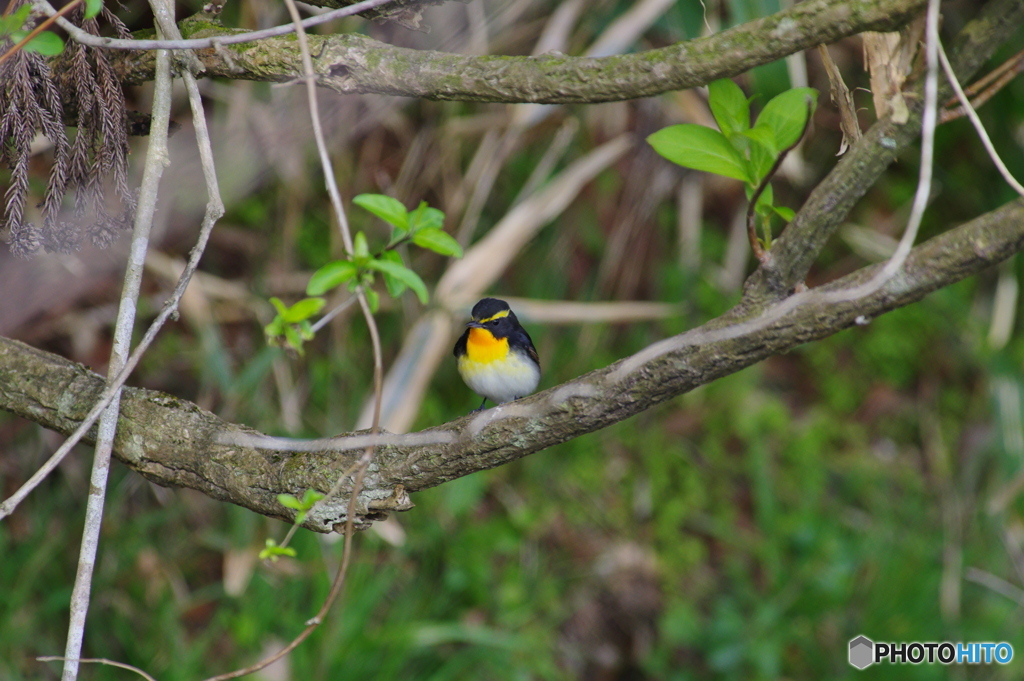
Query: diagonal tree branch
{"x": 793, "y": 253}
{"x": 175, "y": 443}
{"x": 354, "y": 64}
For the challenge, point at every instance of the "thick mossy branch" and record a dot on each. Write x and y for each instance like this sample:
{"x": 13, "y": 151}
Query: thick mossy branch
{"x": 354, "y": 64}
{"x": 175, "y": 443}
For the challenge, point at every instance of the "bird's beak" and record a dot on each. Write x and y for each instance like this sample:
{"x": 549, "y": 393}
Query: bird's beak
{"x": 475, "y": 325}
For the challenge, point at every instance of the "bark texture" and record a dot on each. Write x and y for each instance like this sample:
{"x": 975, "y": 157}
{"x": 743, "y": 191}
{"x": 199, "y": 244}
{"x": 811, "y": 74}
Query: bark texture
{"x": 355, "y": 64}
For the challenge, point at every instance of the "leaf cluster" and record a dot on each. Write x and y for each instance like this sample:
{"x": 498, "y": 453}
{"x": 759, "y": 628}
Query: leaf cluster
{"x": 422, "y": 226}
{"x": 272, "y": 550}
{"x": 16, "y": 26}
{"x": 739, "y": 150}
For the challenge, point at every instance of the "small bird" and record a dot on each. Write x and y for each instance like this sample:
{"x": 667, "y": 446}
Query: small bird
{"x": 496, "y": 356}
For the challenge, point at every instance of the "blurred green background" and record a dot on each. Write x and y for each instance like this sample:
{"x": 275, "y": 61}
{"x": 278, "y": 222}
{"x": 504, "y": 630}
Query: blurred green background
{"x": 866, "y": 484}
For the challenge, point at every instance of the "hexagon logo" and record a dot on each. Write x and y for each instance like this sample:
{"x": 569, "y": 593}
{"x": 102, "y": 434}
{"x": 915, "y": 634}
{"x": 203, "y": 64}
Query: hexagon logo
{"x": 862, "y": 652}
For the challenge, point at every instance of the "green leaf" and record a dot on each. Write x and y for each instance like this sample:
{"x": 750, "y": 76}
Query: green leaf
{"x": 15, "y": 21}
{"x": 329, "y": 276}
{"x": 279, "y": 306}
{"x": 92, "y": 8}
{"x": 402, "y": 274}
{"x": 289, "y": 501}
{"x": 761, "y": 161}
{"x": 20, "y": 15}
{"x": 273, "y": 331}
{"x": 764, "y": 202}
{"x": 273, "y": 551}
{"x": 360, "y": 250}
{"x": 437, "y": 240}
{"x": 786, "y": 115}
{"x": 425, "y": 217}
{"x": 763, "y": 151}
{"x": 395, "y": 287}
{"x": 785, "y": 213}
{"x": 386, "y": 208}
{"x": 729, "y": 106}
{"x": 310, "y": 497}
{"x": 46, "y": 43}
{"x": 290, "y": 327}
{"x": 372, "y": 299}
{"x": 293, "y": 339}
{"x": 700, "y": 148}
{"x": 764, "y": 136}
{"x": 303, "y": 310}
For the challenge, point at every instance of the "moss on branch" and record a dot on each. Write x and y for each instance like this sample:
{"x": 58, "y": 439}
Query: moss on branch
{"x": 354, "y": 64}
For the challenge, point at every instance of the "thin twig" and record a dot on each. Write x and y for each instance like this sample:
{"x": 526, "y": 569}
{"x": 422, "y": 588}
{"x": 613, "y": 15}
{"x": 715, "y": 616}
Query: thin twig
{"x": 378, "y": 369}
{"x": 98, "y": 660}
{"x": 163, "y": 17}
{"x": 976, "y": 121}
{"x": 309, "y": 76}
{"x": 335, "y": 196}
{"x": 1009, "y": 67}
{"x": 156, "y": 160}
{"x": 311, "y": 626}
{"x": 986, "y": 87}
{"x": 378, "y": 372}
{"x": 326, "y": 319}
{"x": 43, "y": 25}
{"x": 86, "y": 38}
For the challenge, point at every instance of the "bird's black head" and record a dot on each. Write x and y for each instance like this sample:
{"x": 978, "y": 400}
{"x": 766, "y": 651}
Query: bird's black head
{"x": 495, "y": 316}
{"x": 487, "y": 308}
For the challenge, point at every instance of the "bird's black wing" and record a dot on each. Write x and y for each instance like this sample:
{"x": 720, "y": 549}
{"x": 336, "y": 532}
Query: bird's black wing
{"x": 530, "y": 350}
{"x": 460, "y": 345}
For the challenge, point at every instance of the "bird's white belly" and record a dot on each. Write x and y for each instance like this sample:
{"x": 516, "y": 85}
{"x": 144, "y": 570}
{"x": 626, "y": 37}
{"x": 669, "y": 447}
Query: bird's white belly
{"x": 501, "y": 380}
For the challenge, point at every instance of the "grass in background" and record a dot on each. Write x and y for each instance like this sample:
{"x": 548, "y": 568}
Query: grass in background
{"x": 747, "y": 530}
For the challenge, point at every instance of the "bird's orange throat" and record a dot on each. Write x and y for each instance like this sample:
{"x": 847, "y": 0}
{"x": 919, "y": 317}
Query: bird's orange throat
{"x": 482, "y": 346}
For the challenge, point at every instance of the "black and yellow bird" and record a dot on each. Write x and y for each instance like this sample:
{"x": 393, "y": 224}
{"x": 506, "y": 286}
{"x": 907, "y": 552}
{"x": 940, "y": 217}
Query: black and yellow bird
{"x": 496, "y": 356}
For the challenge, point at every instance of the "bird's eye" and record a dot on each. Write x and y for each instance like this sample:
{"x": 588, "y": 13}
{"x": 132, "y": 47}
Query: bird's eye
{"x": 493, "y": 322}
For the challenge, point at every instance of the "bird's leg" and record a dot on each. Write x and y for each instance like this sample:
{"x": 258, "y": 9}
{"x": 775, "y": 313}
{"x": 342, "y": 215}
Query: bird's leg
{"x": 480, "y": 408}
